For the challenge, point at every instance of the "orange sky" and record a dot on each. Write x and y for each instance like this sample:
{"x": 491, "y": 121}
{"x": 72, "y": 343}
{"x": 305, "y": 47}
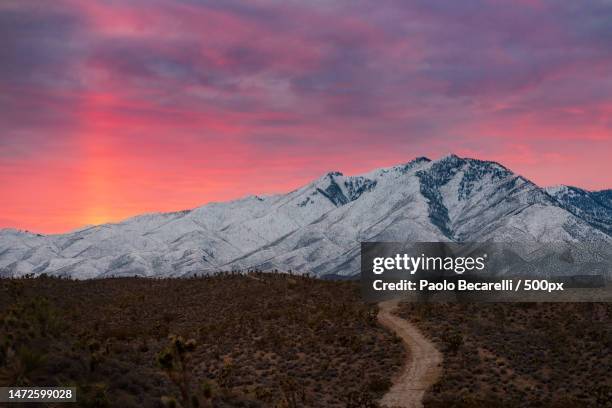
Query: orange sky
{"x": 109, "y": 110}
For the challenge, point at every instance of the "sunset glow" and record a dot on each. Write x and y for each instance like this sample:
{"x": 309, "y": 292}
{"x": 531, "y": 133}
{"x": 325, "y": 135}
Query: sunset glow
{"x": 109, "y": 109}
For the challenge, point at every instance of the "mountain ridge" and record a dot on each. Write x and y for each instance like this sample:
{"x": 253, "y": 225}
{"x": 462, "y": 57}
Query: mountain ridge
{"x": 317, "y": 227}
{"x": 607, "y": 193}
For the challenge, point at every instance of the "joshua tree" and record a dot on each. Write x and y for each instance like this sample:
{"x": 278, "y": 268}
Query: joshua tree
{"x": 174, "y": 360}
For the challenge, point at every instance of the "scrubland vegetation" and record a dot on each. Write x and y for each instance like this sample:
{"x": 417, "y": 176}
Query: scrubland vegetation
{"x": 263, "y": 340}
{"x": 277, "y": 340}
{"x": 519, "y": 355}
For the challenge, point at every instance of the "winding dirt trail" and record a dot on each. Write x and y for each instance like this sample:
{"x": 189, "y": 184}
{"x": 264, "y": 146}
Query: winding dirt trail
{"x": 422, "y": 366}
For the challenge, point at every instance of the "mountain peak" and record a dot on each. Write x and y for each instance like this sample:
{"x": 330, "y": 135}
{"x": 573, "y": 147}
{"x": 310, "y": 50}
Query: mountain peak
{"x": 453, "y": 160}
{"x": 420, "y": 159}
{"x": 449, "y": 156}
{"x": 557, "y": 189}
{"x": 317, "y": 228}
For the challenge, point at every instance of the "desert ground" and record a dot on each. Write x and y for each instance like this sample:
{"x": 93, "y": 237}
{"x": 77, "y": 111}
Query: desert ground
{"x": 261, "y": 340}
{"x": 518, "y": 354}
{"x": 279, "y": 340}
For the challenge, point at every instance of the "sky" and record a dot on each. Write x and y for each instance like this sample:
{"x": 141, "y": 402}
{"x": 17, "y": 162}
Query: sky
{"x": 110, "y": 109}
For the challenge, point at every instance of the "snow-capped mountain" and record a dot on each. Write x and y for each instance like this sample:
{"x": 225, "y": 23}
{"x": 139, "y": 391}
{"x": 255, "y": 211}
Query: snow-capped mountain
{"x": 593, "y": 206}
{"x": 317, "y": 228}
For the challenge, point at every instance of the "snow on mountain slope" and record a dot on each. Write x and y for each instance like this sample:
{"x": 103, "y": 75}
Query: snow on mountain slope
{"x": 317, "y": 228}
{"x": 594, "y": 207}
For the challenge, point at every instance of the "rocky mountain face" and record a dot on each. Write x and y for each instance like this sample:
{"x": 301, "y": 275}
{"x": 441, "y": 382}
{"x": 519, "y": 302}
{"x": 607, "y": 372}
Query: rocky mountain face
{"x": 595, "y": 207}
{"x": 317, "y": 229}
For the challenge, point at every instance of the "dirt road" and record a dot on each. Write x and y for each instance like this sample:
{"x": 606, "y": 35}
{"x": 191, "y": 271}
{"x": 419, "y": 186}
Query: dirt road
{"x": 421, "y": 368}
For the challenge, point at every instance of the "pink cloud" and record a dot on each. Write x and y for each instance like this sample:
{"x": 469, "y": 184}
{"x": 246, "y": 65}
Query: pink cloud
{"x": 112, "y": 109}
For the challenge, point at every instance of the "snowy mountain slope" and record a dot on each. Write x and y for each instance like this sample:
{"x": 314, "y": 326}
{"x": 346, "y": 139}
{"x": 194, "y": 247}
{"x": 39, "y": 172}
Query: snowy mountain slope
{"x": 594, "y": 207}
{"x": 317, "y": 228}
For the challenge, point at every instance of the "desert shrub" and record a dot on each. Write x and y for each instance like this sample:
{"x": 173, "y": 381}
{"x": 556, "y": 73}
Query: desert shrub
{"x": 519, "y": 355}
{"x": 263, "y": 340}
